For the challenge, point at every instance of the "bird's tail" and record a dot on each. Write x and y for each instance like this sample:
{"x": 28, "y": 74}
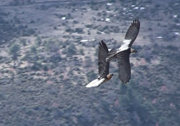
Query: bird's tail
{"x": 95, "y": 83}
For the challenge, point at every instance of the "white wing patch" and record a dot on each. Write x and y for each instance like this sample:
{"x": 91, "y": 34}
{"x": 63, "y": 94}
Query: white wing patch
{"x": 109, "y": 50}
{"x": 95, "y": 83}
{"x": 125, "y": 45}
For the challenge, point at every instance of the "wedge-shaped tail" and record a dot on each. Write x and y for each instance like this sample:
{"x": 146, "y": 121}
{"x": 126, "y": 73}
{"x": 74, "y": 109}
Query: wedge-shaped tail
{"x": 95, "y": 83}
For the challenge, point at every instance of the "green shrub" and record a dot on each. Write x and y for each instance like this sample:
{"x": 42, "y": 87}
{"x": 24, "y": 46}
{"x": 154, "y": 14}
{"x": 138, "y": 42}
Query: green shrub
{"x": 14, "y": 49}
{"x": 33, "y": 49}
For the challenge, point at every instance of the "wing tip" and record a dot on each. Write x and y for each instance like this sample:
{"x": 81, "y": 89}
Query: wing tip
{"x": 133, "y": 31}
{"x": 136, "y": 22}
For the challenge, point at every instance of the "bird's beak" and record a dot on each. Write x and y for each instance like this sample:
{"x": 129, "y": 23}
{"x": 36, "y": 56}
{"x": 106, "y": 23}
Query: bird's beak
{"x": 133, "y": 51}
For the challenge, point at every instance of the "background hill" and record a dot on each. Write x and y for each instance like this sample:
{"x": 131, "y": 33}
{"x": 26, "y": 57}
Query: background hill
{"x": 48, "y": 53}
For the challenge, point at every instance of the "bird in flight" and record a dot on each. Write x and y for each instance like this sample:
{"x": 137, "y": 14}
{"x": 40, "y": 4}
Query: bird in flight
{"x": 103, "y": 67}
{"x": 122, "y": 54}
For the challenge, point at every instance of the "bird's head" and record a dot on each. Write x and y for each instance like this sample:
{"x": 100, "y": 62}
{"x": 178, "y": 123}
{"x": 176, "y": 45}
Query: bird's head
{"x": 109, "y": 76}
{"x": 133, "y": 51}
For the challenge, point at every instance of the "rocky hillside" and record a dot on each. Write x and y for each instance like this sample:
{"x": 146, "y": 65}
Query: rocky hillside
{"x": 48, "y": 53}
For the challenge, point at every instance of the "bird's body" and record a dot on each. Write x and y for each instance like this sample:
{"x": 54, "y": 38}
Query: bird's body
{"x": 123, "y": 52}
{"x": 103, "y": 67}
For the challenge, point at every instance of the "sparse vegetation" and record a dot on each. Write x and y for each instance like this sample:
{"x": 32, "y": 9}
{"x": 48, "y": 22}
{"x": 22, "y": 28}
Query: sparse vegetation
{"x": 49, "y": 52}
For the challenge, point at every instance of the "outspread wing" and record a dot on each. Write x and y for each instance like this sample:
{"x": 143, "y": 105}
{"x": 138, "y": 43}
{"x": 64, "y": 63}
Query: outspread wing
{"x": 124, "y": 66}
{"x": 103, "y": 66}
{"x": 132, "y": 32}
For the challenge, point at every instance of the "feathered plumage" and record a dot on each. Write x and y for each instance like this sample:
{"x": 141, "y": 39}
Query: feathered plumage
{"x": 103, "y": 67}
{"x": 122, "y": 53}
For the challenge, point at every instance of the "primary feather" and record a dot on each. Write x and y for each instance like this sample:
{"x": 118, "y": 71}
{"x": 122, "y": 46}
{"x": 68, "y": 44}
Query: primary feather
{"x": 103, "y": 66}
